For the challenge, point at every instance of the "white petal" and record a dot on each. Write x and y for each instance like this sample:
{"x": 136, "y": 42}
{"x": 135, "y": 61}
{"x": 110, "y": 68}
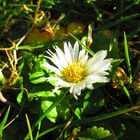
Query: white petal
{"x": 97, "y": 79}
{"x": 76, "y": 51}
{"x": 75, "y": 90}
{"x": 55, "y": 59}
{"x": 57, "y": 62}
{"x": 82, "y": 53}
{"x": 102, "y": 65}
{"x": 50, "y": 53}
{"x": 52, "y": 68}
{"x": 74, "y": 95}
{"x": 81, "y": 85}
{"x": 102, "y": 73}
{"x": 71, "y": 50}
{"x": 59, "y": 82}
{"x": 83, "y": 60}
{"x": 99, "y": 56}
{"x": 67, "y": 53}
{"x": 71, "y": 88}
{"x": 89, "y": 86}
{"x": 61, "y": 56}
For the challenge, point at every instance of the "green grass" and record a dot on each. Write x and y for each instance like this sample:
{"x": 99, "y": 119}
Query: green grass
{"x": 28, "y": 29}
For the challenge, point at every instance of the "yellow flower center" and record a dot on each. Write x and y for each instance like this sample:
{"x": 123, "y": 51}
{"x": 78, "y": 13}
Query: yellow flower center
{"x": 73, "y": 73}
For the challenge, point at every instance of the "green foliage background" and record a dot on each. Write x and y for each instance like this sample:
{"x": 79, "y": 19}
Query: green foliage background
{"x": 36, "y": 112}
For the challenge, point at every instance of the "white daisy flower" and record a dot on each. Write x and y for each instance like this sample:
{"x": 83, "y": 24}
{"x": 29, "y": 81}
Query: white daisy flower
{"x": 74, "y": 68}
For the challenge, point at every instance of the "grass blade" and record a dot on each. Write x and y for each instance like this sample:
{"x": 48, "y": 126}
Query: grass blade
{"x": 83, "y": 45}
{"x": 51, "y": 129}
{"x": 117, "y": 22}
{"x": 127, "y": 58}
{"x": 121, "y": 83}
{"x": 124, "y": 89}
{"x": 29, "y": 127}
{"x": 37, "y": 134}
{"x": 105, "y": 116}
{"x": 28, "y": 47}
{"x": 2, "y": 124}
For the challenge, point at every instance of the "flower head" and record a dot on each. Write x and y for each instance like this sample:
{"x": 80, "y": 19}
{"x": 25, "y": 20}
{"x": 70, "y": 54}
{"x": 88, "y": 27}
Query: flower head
{"x": 74, "y": 68}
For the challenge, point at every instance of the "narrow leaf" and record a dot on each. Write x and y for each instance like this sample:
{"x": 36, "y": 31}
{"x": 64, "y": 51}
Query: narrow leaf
{"x": 127, "y": 58}
{"x": 37, "y": 134}
{"x": 83, "y": 45}
{"x": 2, "y": 124}
{"x": 105, "y": 116}
{"x": 29, "y": 127}
{"x": 28, "y": 47}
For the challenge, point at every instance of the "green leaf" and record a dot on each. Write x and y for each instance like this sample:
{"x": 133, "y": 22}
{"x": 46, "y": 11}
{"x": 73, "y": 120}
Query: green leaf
{"x": 58, "y": 100}
{"x": 2, "y": 124}
{"x": 38, "y": 77}
{"x": 52, "y": 114}
{"x": 61, "y": 111}
{"x": 56, "y": 103}
{"x": 51, "y": 2}
{"x": 99, "y": 132}
{"x": 78, "y": 112}
{"x": 36, "y": 95}
{"x": 20, "y": 97}
{"x": 95, "y": 133}
{"x": 39, "y": 92}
